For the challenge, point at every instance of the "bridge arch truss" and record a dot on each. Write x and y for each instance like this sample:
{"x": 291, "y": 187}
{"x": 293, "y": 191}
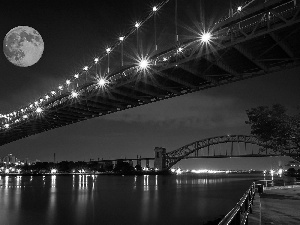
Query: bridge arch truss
{"x": 205, "y": 149}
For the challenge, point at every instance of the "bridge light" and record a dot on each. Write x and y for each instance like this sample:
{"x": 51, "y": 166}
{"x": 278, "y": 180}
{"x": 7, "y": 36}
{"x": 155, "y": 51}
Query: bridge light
{"x": 85, "y": 68}
{"x": 101, "y": 82}
{"x": 137, "y": 25}
{"x": 154, "y": 9}
{"x": 36, "y": 102}
{"x": 68, "y": 82}
{"x": 96, "y": 60}
{"x": 206, "y": 37}
{"x": 179, "y": 50}
{"x": 60, "y": 87}
{"x": 76, "y": 75}
{"x": 121, "y": 38}
{"x": 31, "y": 106}
{"x": 108, "y": 50}
{"x": 39, "y": 110}
{"x": 144, "y": 64}
{"x": 47, "y": 97}
{"x": 74, "y": 94}
{"x": 53, "y": 171}
{"x": 53, "y": 92}
{"x": 239, "y": 9}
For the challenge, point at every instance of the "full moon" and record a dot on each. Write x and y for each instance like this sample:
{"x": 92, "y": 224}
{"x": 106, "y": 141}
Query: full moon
{"x": 23, "y": 46}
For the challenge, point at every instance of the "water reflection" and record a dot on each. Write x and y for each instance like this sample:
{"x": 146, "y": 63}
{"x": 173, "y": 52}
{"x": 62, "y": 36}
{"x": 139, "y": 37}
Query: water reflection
{"x": 146, "y": 182}
{"x": 198, "y": 181}
{"x": 53, "y": 181}
{"x": 146, "y": 199}
{"x": 77, "y": 199}
{"x": 18, "y": 181}
{"x": 134, "y": 182}
{"x": 10, "y": 184}
{"x": 52, "y": 199}
{"x": 83, "y": 183}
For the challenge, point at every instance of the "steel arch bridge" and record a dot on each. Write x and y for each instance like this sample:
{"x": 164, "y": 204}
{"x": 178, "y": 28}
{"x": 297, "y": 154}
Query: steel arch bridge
{"x": 262, "y": 35}
{"x": 205, "y": 148}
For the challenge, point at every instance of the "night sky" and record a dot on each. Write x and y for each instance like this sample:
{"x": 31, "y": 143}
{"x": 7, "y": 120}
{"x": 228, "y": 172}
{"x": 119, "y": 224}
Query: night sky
{"x": 74, "y": 32}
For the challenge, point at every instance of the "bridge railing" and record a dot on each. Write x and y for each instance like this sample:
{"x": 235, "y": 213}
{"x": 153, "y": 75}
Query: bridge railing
{"x": 239, "y": 214}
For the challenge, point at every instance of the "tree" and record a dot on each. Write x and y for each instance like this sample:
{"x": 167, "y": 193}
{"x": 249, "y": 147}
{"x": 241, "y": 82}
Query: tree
{"x": 275, "y": 127}
{"x": 291, "y": 171}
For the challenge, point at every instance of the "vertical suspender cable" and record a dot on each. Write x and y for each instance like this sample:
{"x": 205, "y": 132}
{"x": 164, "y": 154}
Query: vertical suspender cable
{"x": 155, "y": 41}
{"x": 122, "y": 53}
{"x": 176, "y": 12}
{"x": 108, "y": 62}
{"x": 202, "y": 16}
{"x": 137, "y": 39}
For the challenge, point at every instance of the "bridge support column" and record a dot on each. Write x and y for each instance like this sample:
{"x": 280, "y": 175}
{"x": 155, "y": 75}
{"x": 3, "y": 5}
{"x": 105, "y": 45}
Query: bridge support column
{"x": 160, "y": 158}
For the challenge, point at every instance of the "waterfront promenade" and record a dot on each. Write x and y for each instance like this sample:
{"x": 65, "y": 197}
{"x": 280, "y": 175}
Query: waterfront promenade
{"x": 277, "y": 205}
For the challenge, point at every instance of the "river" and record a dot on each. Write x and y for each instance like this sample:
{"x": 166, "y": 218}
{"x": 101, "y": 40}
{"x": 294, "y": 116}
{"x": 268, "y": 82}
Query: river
{"x": 120, "y": 200}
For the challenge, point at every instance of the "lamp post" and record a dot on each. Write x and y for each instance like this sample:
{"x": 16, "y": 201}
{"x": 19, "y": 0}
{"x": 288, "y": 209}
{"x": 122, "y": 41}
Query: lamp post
{"x": 108, "y": 50}
{"x": 122, "y": 49}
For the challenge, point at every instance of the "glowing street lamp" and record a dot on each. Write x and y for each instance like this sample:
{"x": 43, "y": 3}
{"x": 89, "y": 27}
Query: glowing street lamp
{"x": 76, "y": 76}
{"x": 101, "y": 82}
{"x": 206, "y": 37}
{"x": 137, "y": 24}
{"x": 144, "y": 64}
{"x": 154, "y": 11}
{"x": 179, "y": 50}
{"x": 108, "y": 50}
{"x": 122, "y": 47}
{"x": 239, "y": 9}
{"x": 39, "y": 110}
{"x": 85, "y": 68}
{"x": 96, "y": 60}
{"x": 74, "y": 94}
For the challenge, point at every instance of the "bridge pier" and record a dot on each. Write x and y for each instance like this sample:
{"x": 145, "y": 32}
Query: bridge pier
{"x": 160, "y": 158}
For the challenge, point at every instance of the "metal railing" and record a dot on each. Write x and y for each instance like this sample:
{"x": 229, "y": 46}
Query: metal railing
{"x": 239, "y": 214}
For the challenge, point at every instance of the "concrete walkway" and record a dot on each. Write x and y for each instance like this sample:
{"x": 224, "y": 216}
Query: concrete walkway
{"x": 277, "y": 205}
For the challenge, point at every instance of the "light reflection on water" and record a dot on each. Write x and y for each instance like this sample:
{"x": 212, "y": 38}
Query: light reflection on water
{"x": 92, "y": 199}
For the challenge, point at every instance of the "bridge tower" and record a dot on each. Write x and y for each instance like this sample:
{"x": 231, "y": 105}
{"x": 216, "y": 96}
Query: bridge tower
{"x": 160, "y": 158}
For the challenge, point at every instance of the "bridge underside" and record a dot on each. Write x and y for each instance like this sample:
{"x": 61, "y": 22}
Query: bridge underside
{"x": 264, "y": 40}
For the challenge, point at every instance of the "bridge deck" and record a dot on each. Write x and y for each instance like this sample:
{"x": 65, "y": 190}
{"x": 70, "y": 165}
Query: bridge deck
{"x": 262, "y": 41}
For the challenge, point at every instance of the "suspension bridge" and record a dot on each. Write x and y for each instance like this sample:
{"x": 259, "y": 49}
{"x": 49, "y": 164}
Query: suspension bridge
{"x": 254, "y": 38}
